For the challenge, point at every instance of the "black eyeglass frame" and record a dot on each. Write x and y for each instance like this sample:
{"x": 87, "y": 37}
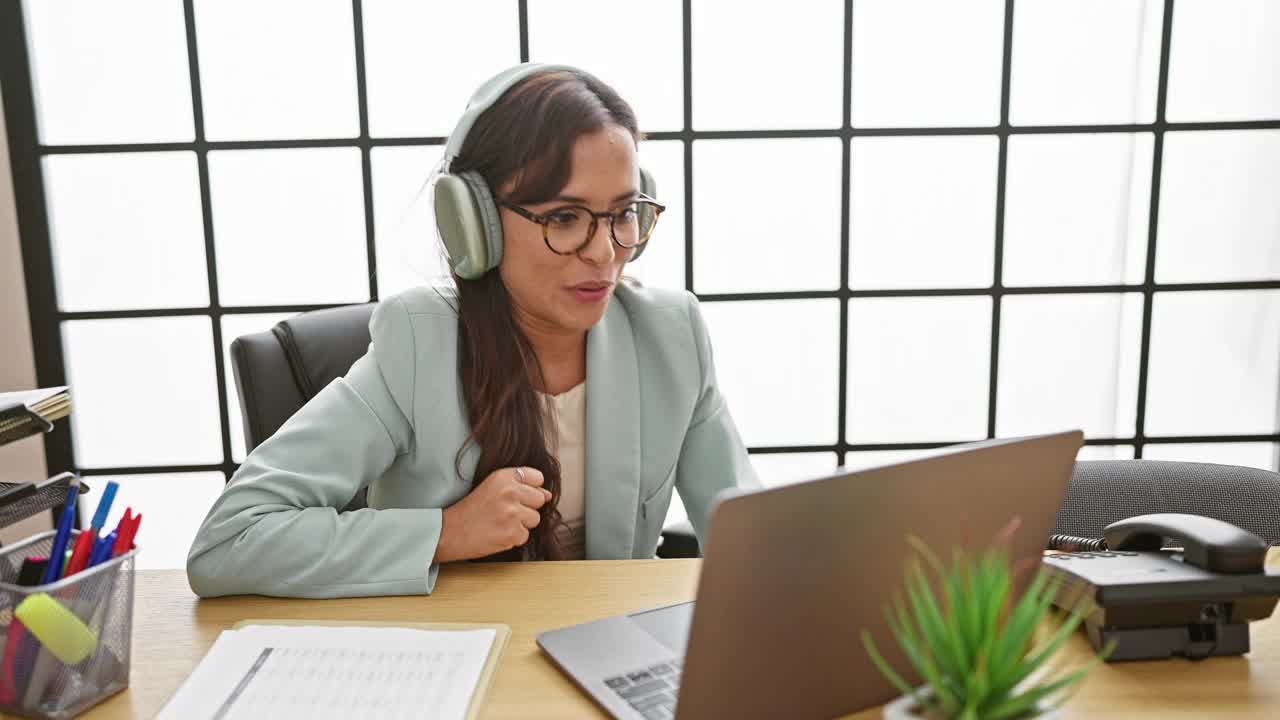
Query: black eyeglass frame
{"x": 544, "y": 219}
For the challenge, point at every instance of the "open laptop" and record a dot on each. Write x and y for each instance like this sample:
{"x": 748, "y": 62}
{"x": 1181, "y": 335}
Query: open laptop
{"x": 791, "y": 575}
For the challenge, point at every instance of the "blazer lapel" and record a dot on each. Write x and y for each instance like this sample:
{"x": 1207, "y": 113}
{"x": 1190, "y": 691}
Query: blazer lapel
{"x": 613, "y": 436}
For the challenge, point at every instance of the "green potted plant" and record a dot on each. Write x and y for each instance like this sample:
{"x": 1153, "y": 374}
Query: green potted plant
{"x": 975, "y": 642}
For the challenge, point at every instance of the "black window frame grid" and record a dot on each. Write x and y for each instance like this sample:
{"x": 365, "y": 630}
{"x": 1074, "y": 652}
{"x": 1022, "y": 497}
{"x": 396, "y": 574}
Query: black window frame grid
{"x": 46, "y": 318}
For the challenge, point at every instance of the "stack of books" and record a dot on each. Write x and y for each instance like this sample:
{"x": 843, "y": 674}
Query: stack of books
{"x": 23, "y": 414}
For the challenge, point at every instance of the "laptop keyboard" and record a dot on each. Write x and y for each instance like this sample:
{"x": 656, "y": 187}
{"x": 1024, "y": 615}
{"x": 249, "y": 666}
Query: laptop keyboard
{"x": 651, "y": 691}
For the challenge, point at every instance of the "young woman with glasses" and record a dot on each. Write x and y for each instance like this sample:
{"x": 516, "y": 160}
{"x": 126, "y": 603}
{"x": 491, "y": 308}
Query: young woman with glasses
{"x": 545, "y": 407}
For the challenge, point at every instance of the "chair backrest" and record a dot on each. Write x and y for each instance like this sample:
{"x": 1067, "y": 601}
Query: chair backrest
{"x": 278, "y": 371}
{"x": 1104, "y": 491}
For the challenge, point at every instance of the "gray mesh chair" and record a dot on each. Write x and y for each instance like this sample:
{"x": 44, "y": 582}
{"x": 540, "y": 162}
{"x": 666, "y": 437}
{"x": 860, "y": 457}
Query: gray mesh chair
{"x": 1104, "y": 491}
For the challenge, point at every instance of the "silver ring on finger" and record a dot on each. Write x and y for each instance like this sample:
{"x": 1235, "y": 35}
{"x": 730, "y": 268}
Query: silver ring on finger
{"x": 519, "y": 475}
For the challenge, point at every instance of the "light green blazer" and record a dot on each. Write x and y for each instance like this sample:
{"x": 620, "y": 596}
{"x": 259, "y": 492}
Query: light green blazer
{"x": 656, "y": 422}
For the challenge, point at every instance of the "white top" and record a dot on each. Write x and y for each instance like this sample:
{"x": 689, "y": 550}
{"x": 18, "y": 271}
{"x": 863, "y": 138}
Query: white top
{"x": 568, "y": 412}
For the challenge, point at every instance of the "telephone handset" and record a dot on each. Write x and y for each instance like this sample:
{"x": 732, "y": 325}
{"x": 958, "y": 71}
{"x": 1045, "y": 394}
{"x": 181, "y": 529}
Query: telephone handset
{"x": 1196, "y": 601}
{"x": 1207, "y": 543}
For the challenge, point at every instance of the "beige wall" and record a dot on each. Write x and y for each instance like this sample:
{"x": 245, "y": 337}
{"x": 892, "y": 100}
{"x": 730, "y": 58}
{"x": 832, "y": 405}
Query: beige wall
{"x": 23, "y": 460}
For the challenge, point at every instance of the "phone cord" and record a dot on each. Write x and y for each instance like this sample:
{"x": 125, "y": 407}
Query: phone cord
{"x": 1072, "y": 543}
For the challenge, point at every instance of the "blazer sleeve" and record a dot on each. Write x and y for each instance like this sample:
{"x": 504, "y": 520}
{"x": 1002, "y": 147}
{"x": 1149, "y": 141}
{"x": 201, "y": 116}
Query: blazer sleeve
{"x": 713, "y": 457}
{"x": 277, "y": 530}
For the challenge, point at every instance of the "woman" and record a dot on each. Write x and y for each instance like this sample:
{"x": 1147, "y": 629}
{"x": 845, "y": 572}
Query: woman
{"x": 546, "y": 410}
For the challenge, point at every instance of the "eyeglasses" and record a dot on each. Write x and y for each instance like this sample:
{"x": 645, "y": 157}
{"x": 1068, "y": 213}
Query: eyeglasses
{"x": 567, "y": 230}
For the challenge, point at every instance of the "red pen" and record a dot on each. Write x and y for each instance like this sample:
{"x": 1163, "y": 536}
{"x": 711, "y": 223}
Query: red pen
{"x": 133, "y": 531}
{"x": 122, "y": 533}
{"x": 124, "y": 540}
{"x": 80, "y": 552}
{"x": 8, "y": 675}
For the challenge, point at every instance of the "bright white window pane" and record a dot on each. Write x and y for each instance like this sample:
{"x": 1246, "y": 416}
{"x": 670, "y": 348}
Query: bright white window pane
{"x": 1077, "y": 209}
{"x": 776, "y": 362}
{"x": 1084, "y": 61}
{"x": 918, "y": 369}
{"x": 1218, "y": 218}
{"x": 1067, "y": 362}
{"x": 126, "y": 230}
{"x": 1224, "y": 62}
{"x": 289, "y": 226}
{"x": 675, "y": 511}
{"x": 796, "y": 82}
{"x": 172, "y": 507}
{"x": 756, "y": 227}
{"x": 1258, "y": 455}
{"x": 278, "y": 70}
{"x": 926, "y": 62}
{"x": 633, "y": 48}
{"x": 110, "y": 72}
{"x": 145, "y": 391}
{"x": 234, "y": 326}
{"x": 415, "y": 82}
{"x": 776, "y": 469}
{"x": 869, "y": 459}
{"x": 662, "y": 264}
{"x": 409, "y": 252}
{"x": 922, "y": 212}
{"x": 1105, "y": 452}
{"x": 1214, "y": 368}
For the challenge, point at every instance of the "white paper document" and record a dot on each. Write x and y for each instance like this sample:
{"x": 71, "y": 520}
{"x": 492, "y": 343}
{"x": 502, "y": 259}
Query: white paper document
{"x": 318, "y": 671}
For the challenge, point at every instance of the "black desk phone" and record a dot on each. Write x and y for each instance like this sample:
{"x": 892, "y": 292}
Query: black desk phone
{"x": 1195, "y": 601}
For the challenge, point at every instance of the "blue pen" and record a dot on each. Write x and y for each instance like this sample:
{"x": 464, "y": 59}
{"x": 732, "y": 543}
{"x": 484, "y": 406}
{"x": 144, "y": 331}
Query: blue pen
{"x": 64, "y": 533}
{"x": 104, "y": 505}
{"x": 82, "y": 550}
{"x": 102, "y": 549}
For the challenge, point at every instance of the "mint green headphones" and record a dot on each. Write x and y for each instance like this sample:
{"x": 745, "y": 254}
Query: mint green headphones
{"x": 465, "y": 210}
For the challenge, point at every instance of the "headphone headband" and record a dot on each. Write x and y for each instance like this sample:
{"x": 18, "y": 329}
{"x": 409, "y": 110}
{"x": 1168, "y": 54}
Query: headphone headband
{"x": 485, "y": 96}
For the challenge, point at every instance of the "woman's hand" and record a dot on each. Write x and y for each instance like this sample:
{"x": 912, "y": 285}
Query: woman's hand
{"x": 495, "y": 516}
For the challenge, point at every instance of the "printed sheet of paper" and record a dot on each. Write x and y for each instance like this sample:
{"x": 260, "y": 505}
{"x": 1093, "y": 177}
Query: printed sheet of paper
{"x": 313, "y": 672}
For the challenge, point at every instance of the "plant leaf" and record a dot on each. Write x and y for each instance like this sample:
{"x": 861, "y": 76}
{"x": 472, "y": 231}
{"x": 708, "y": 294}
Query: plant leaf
{"x": 1025, "y": 701}
{"x": 927, "y": 553}
{"x": 1021, "y": 624}
{"x": 994, "y": 589}
{"x": 1038, "y": 655}
{"x": 924, "y": 659}
{"x": 971, "y": 605}
{"x": 883, "y": 666}
{"x": 918, "y": 654}
{"x": 940, "y": 636}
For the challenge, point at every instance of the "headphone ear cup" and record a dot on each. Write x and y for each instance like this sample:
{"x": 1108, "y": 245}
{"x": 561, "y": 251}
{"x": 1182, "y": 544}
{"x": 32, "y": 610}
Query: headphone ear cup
{"x": 468, "y": 222}
{"x": 649, "y": 187}
{"x": 490, "y": 218}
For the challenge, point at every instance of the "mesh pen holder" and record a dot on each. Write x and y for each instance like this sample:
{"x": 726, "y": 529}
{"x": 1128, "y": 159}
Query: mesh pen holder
{"x": 42, "y": 497}
{"x": 73, "y": 650}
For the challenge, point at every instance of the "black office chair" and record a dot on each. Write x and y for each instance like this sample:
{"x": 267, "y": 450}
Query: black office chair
{"x": 1104, "y": 491}
{"x": 278, "y": 371}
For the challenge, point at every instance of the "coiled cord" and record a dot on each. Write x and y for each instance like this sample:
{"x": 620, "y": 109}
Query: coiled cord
{"x": 1072, "y": 543}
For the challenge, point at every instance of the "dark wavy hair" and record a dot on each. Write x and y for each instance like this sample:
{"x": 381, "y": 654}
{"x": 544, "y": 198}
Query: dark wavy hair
{"x": 525, "y": 138}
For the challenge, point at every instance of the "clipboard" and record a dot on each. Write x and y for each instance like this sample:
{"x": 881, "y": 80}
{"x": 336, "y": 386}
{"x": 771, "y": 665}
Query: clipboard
{"x": 501, "y": 636}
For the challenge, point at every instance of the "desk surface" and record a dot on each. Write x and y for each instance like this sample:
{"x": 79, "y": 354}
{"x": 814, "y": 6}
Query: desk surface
{"x": 172, "y": 632}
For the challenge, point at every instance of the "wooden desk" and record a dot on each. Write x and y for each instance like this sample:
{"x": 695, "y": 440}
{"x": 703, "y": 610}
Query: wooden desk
{"x": 172, "y": 632}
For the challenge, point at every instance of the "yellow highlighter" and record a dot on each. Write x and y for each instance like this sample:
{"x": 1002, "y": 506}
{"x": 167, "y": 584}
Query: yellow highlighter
{"x": 58, "y": 629}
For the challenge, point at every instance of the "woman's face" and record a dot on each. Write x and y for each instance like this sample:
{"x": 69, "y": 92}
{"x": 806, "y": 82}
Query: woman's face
{"x": 572, "y": 292}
